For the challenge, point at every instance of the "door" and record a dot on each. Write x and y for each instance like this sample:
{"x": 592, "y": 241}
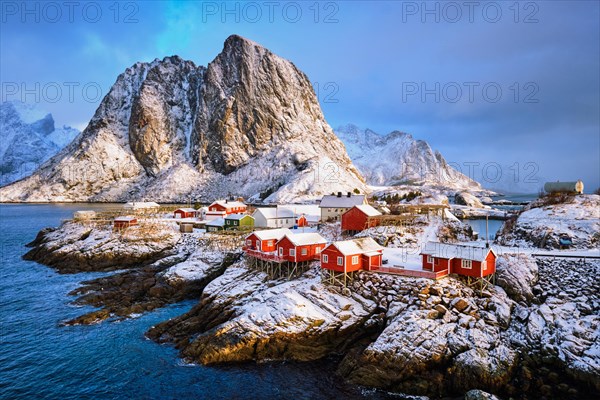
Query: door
{"x": 281, "y": 252}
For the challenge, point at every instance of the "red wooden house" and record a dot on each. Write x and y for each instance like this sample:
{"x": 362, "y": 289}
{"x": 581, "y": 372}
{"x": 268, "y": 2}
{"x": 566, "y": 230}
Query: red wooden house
{"x": 227, "y": 206}
{"x": 352, "y": 255}
{"x": 360, "y": 217}
{"x": 476, "y": 262}
{"x": 301, "y": 221}
{"x": 300, "y": 247}
{"x": 124, "y": 222}
{"x": 186, "y": 213}
{"x": 265, "y": 241}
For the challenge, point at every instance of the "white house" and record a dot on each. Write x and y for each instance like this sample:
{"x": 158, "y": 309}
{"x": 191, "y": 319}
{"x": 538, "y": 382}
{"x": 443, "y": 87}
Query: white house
{"x": 333, "y": 206}
{"x": 274, "y": 217}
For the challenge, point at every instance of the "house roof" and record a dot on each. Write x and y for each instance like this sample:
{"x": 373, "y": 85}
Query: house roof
{"x": 268, "y": 234}
{"x": 357, "y": 246}
{"x": 301, "y": 239}
{"x": 228, "y": 203}
{"x": 138, "y": 205}
{"x": 368, "y": 210}
{"x": 125, "y": 219}
{"x": 216, "y": 222}
{"x": 187, "y": 209}
{"x": 275, "y": 212}
{"x": 448, "y": 251}
{"x": 238, "y": 216}
{"x": 332, "y": 201}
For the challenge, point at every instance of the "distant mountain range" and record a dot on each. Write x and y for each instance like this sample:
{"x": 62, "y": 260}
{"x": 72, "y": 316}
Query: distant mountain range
{"x": 399, "y": 159}
{"x": 28, "y": 138}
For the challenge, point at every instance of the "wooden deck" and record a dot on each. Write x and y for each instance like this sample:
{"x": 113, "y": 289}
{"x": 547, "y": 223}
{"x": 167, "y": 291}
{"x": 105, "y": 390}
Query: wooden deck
{"x": 263, "y": 256}
{"x": 397, "y": 270}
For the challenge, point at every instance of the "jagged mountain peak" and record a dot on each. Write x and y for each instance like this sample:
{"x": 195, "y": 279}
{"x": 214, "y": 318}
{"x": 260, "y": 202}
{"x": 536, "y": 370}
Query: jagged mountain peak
{"x": 248, "y": 123}
{"x": 399, "y": 158}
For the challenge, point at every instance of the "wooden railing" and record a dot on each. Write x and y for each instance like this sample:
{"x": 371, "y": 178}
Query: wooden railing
{"x": 262, "y": 256}
{"x": 397, "y": 270}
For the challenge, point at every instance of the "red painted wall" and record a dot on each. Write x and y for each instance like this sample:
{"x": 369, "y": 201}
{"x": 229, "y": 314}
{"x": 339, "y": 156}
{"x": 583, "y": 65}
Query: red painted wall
{"x": 311, "y": 251}
{"x": 333, "y": 253}
{"x": 355, "y": 220}
{"x": 302, "y": 222}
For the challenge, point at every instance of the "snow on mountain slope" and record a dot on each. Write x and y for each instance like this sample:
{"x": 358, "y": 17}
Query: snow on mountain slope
{"x": 248, "y": 124}
{"x": 28, "y": 138}
{"x": 398, "y": 158}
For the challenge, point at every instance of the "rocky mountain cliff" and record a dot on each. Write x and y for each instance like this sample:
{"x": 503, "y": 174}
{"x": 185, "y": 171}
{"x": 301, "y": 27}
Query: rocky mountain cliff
{"x": 248, "y": 124}
{"x": 398, "y": 158}
{"x": 28, "y": 137}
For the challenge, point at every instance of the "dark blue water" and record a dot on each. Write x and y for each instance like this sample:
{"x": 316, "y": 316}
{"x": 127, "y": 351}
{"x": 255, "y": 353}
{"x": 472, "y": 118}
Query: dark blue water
{"x": 478, "y": 226}
{"x": 41, "y": 359}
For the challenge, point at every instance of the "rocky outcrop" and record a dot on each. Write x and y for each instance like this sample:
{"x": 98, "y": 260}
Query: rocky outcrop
{"x": 249, "y": 123}
{"x": 242, "y": 316}
{"x": 78, "y": 247}
{"x": 543, "y": 222}
{"x": 467, "y": 199}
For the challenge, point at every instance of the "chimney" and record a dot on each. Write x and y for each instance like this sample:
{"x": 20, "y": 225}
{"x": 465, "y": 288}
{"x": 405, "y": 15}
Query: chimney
{"x": 349, "y": 194}
{"x": 226, "y": 200}
{"x": 339, "y": 194}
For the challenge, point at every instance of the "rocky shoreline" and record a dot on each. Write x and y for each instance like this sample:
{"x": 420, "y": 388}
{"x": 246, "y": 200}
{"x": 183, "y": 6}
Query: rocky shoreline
{"x": 535, "y": 334}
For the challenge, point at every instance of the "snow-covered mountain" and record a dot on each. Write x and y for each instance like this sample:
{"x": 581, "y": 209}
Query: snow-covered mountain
{"x": 397, "y": 158}
{"x": 28, "y": 138}
{"x": 248, "y": 124}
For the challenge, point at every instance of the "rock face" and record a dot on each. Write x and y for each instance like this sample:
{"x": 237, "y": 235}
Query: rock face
{"x": 249, "y": 124}
{"x": 397, "y": 158}
{"x": 544, "y": 221}
{"x": 28, "y": 138}
{"x": 467, "y": 199}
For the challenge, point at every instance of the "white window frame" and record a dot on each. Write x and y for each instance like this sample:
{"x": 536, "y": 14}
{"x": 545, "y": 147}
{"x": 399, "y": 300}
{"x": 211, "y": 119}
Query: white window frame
{"x": 270, "y": 243}
{"x": 249, "y": 242}
{"x": 484, "y": 265}
{"x": 354, "y": 260}
{"x": 293, "y": 252}
{"x": 258, "y": 244}
{"x": 466, "y": 264}
{"x": 280, "y": 251}
{"x": 304, "y": 251}
{"x": 429, "y": 259}
{"x": 318, "y": 250}
{"x": 340, "y": 261}
{"x": 325, "y": 258}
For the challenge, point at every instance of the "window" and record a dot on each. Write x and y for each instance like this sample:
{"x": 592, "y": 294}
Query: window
{"x": 281, "y": 251}
{"x": 325, "y": 258}
{"x": 354, "y": 260}
{"x": 248, "y": 242}
{"x": 292, "y": 252}
{"x": 484, "y": 264}
{"x": 258, "y": 244}
{"x": 270, "y": 243}
{"x": 429, "y": 259}
{"x": 467, "y": 264}
{"x": 304, "y": 252}
{"x": 318, "y": 250}
{"x": 228, "y": 222}
{"x": 340, "y": 260}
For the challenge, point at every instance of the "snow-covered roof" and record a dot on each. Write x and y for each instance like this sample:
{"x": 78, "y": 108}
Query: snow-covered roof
{"x": 127, "y": 218}
{"x": 187, "y": 209}
{"x": 275, "y": 212}
{"x": 228, "y": 203}
{"x": 238, "y": 216}
{"x": 269, "y": 234}
{"x": 368, "y": 210}
{"x": 448, "y": 251}
{"x": 139, "y": 205}
{"x": 301, "y": 239}
{"x": 357, "y": 246}
{"x": 216, "y": 222}
{"x": 332, "y": 201}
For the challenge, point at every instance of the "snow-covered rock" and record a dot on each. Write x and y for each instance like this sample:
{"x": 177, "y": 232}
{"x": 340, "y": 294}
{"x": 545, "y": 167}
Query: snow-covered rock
{"x": 542, "y": 224}
{"x": 467, "y": 199}
{"x": 28, "y": 138}
{"x": 399, "y": 159}
{"x": 517, "y": 274}
{"x": 249, "y": 123}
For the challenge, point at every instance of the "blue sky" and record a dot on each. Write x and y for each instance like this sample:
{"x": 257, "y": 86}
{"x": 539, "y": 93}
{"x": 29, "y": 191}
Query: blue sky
{"x": 495, "y": 83}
